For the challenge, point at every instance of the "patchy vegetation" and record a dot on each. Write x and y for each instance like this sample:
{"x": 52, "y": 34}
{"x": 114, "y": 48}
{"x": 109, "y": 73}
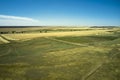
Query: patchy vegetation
{"x": 80, "y": 55}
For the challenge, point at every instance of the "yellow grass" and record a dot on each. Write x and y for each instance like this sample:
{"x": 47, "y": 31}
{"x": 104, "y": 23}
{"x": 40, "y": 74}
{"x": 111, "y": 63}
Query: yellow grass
{"x": 56, "y": 34}
{"x": 40, "y": 28}
{"x": 3, "y": 40}
{"x": 18, "y": 29}
{"x": 9, "y": 38}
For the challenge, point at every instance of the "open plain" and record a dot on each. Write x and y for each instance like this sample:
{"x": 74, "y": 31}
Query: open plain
{"x": 59, "y": 53}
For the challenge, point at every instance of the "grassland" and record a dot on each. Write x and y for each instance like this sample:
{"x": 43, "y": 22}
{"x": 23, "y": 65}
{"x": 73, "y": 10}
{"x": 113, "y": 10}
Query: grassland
{"x": 67, "y": 55}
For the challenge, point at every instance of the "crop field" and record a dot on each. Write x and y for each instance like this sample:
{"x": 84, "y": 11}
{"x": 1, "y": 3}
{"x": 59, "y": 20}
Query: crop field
{"x": 61, "y": 55}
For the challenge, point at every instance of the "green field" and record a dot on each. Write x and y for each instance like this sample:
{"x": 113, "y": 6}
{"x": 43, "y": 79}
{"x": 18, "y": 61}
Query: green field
{"x": 90, "y": 57}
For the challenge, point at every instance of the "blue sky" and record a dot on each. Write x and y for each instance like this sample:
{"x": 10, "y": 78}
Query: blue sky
{"x": 60, "y": 12}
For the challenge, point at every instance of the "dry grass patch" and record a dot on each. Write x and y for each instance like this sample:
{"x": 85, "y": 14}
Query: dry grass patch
{"x": 56, "y": 34}
{"x": 3, "y": 41}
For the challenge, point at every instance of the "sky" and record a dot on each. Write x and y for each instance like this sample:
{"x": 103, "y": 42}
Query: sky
{"x": 60, "y": 12}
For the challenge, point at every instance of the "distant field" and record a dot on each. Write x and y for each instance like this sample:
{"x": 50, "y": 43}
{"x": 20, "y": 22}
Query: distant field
{"x": 68, "y": 33}
{"x": 71, "y": 55}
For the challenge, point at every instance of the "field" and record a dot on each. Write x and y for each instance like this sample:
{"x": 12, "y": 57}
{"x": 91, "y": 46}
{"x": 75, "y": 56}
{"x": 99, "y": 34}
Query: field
{"x": 60, "y": 54}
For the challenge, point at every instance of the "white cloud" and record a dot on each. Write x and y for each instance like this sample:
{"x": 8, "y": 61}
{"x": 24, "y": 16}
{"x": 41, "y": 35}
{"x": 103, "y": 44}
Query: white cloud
{"x": 16, "y": 18}
{"x": 6, "y": 20}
